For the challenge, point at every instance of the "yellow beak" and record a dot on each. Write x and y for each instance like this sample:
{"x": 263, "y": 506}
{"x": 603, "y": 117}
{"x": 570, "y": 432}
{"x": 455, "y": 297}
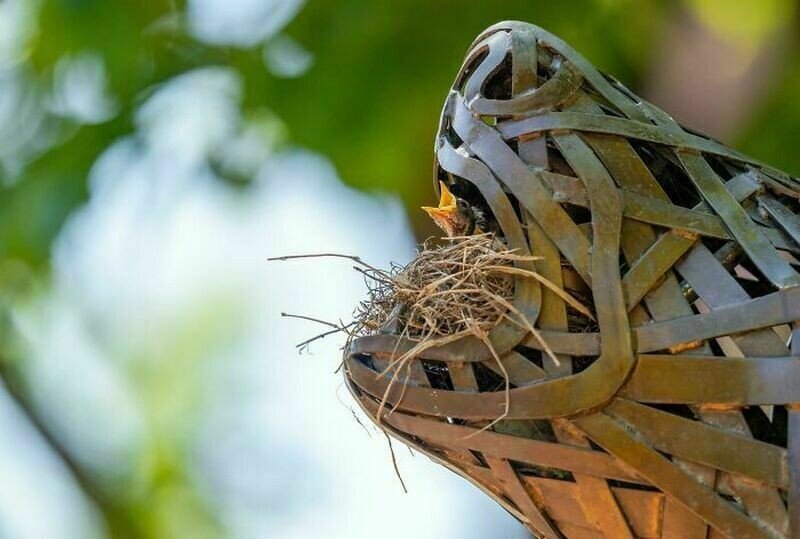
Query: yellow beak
{"x": 447, "y": 204}
{"x": 446, "y": 214}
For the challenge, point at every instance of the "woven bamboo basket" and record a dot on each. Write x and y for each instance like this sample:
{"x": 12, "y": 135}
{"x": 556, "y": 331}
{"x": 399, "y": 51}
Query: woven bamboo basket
{"x": 674, "y": 415}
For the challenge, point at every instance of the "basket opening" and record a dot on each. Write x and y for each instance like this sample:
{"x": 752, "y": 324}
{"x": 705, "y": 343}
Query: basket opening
{"x": 479, "y": 457}
{"x": 772, "y": 431}
{"x": 670, "y": 175}
{"x": 581, "y": 363}
{"x": 466, "y": 73}
{"x": 681, "y": 410}
{"x": 751, "y": 279}
{"x": 531, "y": 470}
{"x": 632, "y": 486}
{"x": 532, "y": 355}
{"x": 364, "y": 359}
{"x": 498, "y": 85}
{"x": 716, "y": 348}
{"x": 723, "y": 169}
{"x": 438, "y": 374}
{"x": 454, "y": 140}
{"x": 487, "y": 379}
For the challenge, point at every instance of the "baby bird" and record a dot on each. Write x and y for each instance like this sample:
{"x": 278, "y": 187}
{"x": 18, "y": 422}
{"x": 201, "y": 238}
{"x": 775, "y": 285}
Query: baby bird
{"x": 454, "y": 215}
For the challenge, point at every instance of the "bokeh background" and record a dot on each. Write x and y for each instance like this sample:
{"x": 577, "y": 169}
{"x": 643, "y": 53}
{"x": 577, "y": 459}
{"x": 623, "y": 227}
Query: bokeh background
{"x": 154, "y": 154}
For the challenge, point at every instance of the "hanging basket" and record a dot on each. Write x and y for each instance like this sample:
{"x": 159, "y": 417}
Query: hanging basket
{"x": 672, "y": 415}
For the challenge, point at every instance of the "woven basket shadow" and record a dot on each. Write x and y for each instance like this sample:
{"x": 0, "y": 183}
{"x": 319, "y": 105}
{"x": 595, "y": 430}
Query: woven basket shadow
{"x": 672, "y": 415}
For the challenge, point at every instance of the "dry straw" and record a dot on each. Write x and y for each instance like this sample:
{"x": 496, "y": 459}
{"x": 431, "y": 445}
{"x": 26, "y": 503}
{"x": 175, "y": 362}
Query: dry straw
{"x": 461, "y": 287}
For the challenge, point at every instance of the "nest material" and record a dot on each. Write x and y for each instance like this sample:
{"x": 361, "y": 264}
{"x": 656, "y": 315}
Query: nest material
{"x": 452, "y": 290}
{"x": 448, "y": 290}
{"x": 463, "y": 287}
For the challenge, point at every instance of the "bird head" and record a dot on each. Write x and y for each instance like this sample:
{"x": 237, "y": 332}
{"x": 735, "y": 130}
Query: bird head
{"x": 453, "y": 215}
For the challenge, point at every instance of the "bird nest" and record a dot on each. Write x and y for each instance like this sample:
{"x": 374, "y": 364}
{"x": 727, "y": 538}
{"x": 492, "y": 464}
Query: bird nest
{"x": 668, "y": 407}
{"x": 462, "y": 287}
{"x": 446, "y": 292}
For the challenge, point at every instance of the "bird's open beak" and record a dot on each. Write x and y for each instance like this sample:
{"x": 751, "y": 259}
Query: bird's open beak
{"x": 447, "y": 205}
{"x": 445, "y": 215}
{"x": 438, "y": 214}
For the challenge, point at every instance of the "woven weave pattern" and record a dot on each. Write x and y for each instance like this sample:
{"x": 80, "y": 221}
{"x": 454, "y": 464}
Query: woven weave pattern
{"x": 670, "y": 414}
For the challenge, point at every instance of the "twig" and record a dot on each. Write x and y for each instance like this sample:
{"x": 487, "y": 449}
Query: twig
{"x": 356, "y": 259}
{"x": 337, "y": 328}
{"x": 306, "y": 342}
{"x": 358, "y": 420}
{"x": 310, "y": 319}
{"x": 368, "y": 275}
{"x": 394, "y": 462}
